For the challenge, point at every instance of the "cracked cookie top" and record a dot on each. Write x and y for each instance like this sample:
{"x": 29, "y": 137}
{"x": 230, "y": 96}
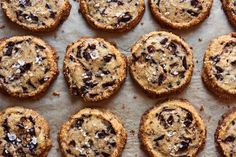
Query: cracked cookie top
{"x": 225, "y": 135}
{"x": 36, "y": 14}
{"x": 112, "y": 14}
{"x": 181, "y": 13}
{"x": 94, "y": 69}
{"x": 23, "y": 132}
{"x": 220, "y": 64}
{"x": 172, "y": 129}
{"x": 161, "y": 63}
{"x": 91, "y": 133}
{"x": 27, "y": 66}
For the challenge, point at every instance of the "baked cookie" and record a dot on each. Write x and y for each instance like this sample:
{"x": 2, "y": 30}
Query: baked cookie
{"x": 91, "y": 133}
{"x": 229, "y": 7}
{"x": 172, "y": 129}
{"x": 225, "y": 135}
{"x": 94, "y": 69}
{"x": 161, "y": 63}
{"x": 219, "y": 67}
{"x": 112, "y": 15}
{"x": 37, "y": 15}
{"x": 28, "y": 65}
{"x": 181, "y": 14}
{"x": 23, "y": 133}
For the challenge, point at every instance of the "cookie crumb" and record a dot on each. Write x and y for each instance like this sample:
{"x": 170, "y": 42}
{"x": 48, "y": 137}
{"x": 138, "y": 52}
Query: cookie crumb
{"x": 2, "y": 26}
{"x": 55, "y": 93}
{"x": 200, "y": 39}
{"x": 142, "y": 23}
{"x": 202, "y": 109}
{"x": 135, "y": 97}
{"x": 132, "y": 132}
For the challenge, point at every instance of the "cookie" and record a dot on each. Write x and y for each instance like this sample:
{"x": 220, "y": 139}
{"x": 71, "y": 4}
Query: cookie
{"x": 28, "y": 65}
{"x": 225, "y": 134}
{"x": 229, "y": 7}
{"x": 161, "y": 63}
{"x": 173, "y": 128}
{"x": 112, "y": 15}
{"x": 181, "y": 14}
{"x": 219, "y": 67}
{"x": 92, "y": 132}
{"x": 94, "y": 69}
{"x": 23, "y": 133}
{"x": 37, "y": 15}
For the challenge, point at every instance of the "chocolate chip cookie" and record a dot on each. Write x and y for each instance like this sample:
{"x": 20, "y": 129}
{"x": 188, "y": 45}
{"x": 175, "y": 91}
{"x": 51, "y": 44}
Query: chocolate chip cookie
{"x": 92, "y": 132}
{"x": 219, "y": 68}
{"x": 112, "y": 15}
{"x": 180, "y": 14}
{"x": 28, "y": 65}
{"x": 229, "y": 7}
{"x": 37, "y": 15}
{"x": 173, "y": 128}
{"x": 225, "y": 135}
{"x": 23, "y": 133}
{"x": 161, "y": 63}
{"x": 94, "y": 69}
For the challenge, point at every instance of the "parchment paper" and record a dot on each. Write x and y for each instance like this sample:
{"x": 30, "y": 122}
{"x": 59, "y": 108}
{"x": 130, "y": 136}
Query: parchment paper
{"x": 131, "y": 102}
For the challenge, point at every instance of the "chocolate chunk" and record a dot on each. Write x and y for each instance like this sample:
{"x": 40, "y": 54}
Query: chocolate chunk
{"x": 79, "y": 122}
{"x": 93, "y": 95}
{"x": 183, "y": 146}
{"x": 6, "y": 153}
{"x": 112, "y": 143}
{"x": 101, "y": 134}
{"x": 105, "y": 154}
{"x": 185, "y": 63}
{"x": 10, "y": 47}
{"x": 215, "y": 59}
{"x": 53, "y": 14}
{"x": 91, "y": 84}
{"x": 6, "y": 126}
{"x": 219, "y": 69}
{"x": 26, "y": 67}
{"x": 194, "y": 3}
{"x": 83, "y": 90}
{"x": 72, "y": 143}
{"x": 30, "y": 83}
{"x": 219, "y": 77}
{"x": 126, "y": 17}
{"x": 173, "y": 47}
{"x": 32, "y": 145}
{"x": 39, "y": 47}
{"x": 233, "y": 63}
{"x": 164, "y": 41}
{"x": 43, "y": 80}
{"x": 161, "y": 79}
{"x": 230, "y": 138}
{"x": 188, "y": 119}
{"x": 24, "y": 3}
{"x": 109, "y": 84}
{"x": 10, "y": 137}
{"x": 21, "y": 152}
{"x": 92, "y": 46}
{"x": 135, "y": 58}
{"x": 32, "y": 120}
{"x": 31, "y": 131}
{"x": 192, "y": 13}
{"x": 111, "y": 130}
{"x": 170, "y": 120}
{"x": 108, "y": 58}
{"x": 87, "y": 56}
{"x": 159, "y": 139}
{"x": 151, "y": 48}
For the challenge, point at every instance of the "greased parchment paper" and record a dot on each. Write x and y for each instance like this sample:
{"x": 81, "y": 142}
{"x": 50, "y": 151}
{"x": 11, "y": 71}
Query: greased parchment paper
{"x": 130, "y": 102}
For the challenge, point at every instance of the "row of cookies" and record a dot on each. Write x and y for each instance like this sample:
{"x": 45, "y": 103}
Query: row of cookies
{"x": 112, "y": 15}
{"x": 160, "y": 62}
{"x": 173, "y": 128}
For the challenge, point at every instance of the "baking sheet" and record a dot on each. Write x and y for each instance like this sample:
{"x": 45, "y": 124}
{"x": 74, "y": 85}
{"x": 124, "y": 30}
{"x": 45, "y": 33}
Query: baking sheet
{"x": 131, "y": 102}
